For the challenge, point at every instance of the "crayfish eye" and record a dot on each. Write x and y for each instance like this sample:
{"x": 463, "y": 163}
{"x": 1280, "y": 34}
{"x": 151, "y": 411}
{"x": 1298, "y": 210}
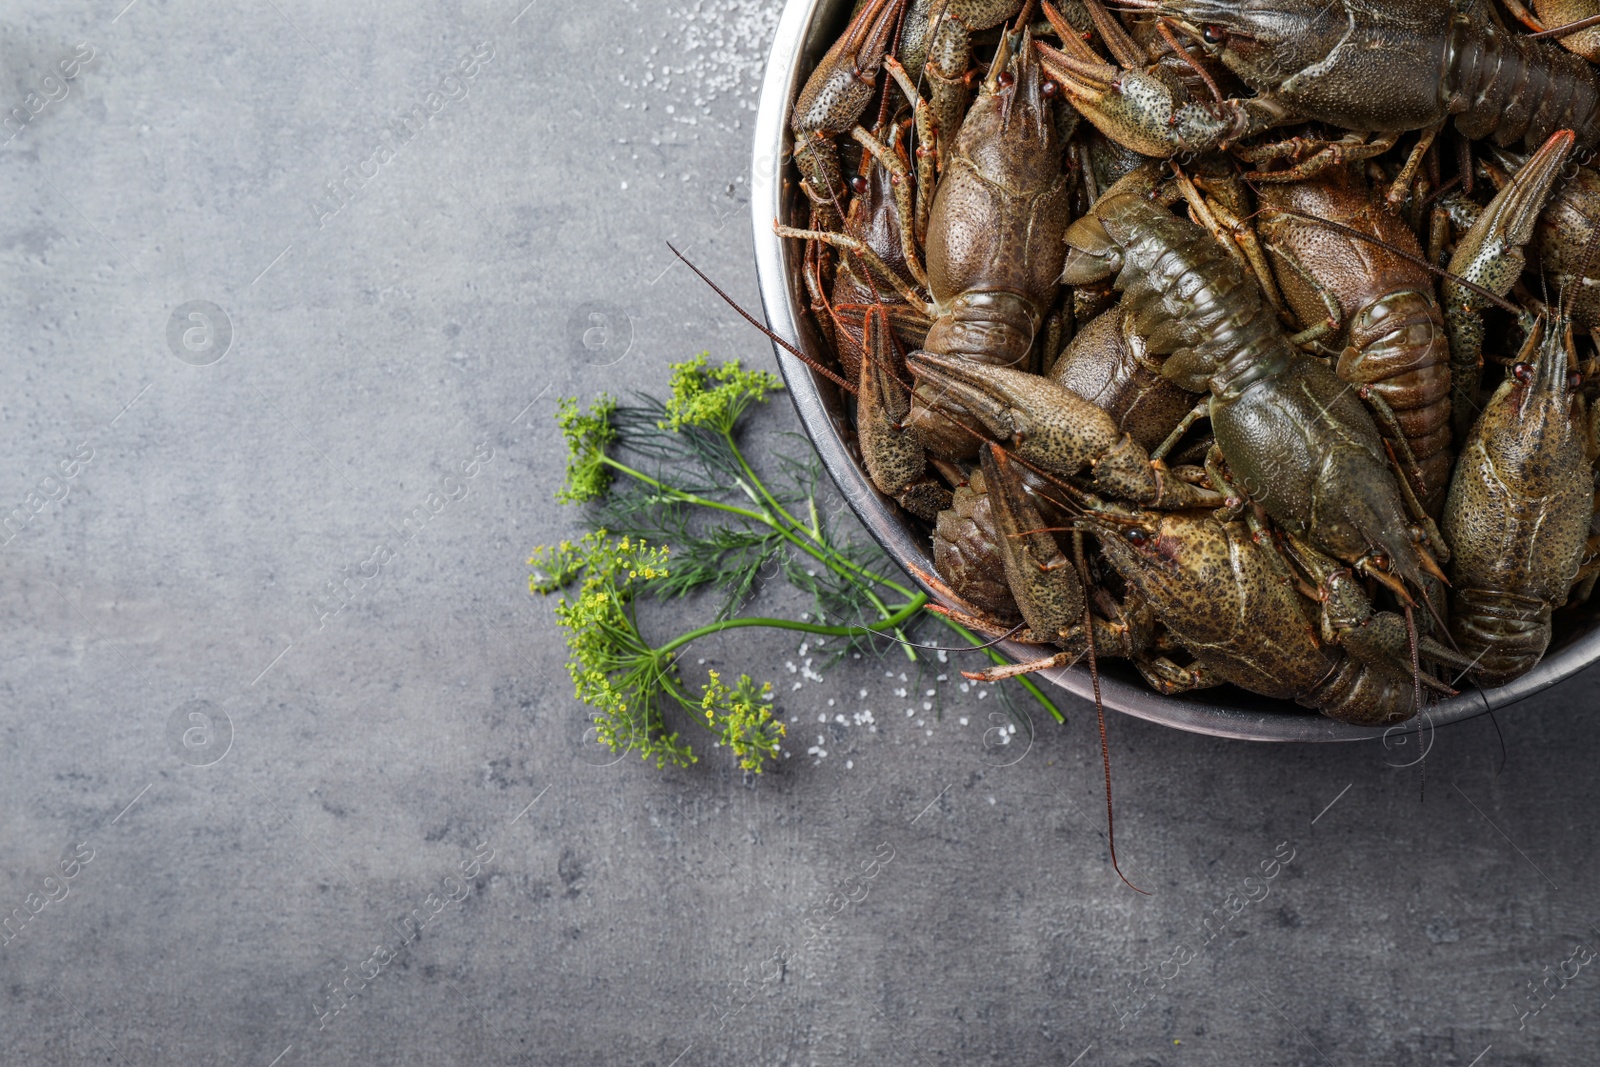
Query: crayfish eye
{"x": 1005, "y": 79}
{"x": 859, "y": 185}
{"x": 1575, "y": 381}
{"x": 1136, "y": 536}
{"x": 1049, "y": 90}
{"x": 1523, "y": 372}
{"x": 1214, "y": 34}
{"x": 1381, "y": 562}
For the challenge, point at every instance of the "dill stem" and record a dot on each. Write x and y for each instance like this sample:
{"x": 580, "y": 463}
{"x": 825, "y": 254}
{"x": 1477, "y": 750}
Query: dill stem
{"x": 913, "y": 606}
{"x": 863, "y": 580}
{"x": 761, "y": 486}
{"x": 772, "y": 502}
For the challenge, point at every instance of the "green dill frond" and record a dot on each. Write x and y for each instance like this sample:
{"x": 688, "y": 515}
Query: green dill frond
{"x": 724, "y": 557}
{"x": 713, "y": 398}
{"x": 799, "y": 471}
{"x": 731, "y": 556}
{"x": 692, "y": 460}
{"x": 587, "y": 434}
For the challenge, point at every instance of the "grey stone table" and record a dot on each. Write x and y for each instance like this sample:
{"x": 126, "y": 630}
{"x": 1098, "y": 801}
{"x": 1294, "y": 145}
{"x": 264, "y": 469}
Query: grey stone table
{"x": 289, "y": 291}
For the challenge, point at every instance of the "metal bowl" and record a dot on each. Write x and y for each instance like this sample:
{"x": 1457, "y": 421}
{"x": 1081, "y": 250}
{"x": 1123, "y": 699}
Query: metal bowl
{"x": 805, "y": 30}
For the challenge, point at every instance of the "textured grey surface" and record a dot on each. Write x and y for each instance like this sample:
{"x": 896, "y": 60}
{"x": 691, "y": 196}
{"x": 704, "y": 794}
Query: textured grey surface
{"x": 627, "y": 916}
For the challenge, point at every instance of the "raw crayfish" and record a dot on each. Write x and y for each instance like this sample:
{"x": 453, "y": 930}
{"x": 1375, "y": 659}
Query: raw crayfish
{"x": 1316, "y": 340}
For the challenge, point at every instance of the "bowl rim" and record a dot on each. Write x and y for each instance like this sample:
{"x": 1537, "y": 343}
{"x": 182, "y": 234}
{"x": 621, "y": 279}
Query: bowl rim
{"x": 822, "y": 414}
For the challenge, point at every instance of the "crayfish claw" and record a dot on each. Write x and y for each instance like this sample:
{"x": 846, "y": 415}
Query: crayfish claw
{"x": 1490, "y": 260}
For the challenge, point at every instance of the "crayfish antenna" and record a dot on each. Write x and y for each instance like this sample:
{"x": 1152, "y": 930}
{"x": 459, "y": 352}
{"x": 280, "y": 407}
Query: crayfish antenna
{"x": 949, "y": 648}
{"x": 780, "y": 342}
{"x": 1416, "y": 685}
{"x": 1585, "y": 261}
{"x": 1444, "y": 629}
{"x": 1432, "y": 268}
{"x": 1023, "y": 17}
{"x": 1570, "y": 27}
{"x": 1100, "y": 712}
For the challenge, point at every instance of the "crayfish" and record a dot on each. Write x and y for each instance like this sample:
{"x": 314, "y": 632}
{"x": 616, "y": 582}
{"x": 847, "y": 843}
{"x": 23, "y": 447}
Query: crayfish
{"x": 1267, "y": 374}
{"x": 1286, "y": 335}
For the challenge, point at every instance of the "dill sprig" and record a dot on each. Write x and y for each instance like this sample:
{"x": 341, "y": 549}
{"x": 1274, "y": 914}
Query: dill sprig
{"x": 729, "y": 529}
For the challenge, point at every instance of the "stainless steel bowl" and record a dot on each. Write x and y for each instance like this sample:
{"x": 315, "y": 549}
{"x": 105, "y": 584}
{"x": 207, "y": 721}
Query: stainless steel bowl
{"x": 805, "y": 31}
